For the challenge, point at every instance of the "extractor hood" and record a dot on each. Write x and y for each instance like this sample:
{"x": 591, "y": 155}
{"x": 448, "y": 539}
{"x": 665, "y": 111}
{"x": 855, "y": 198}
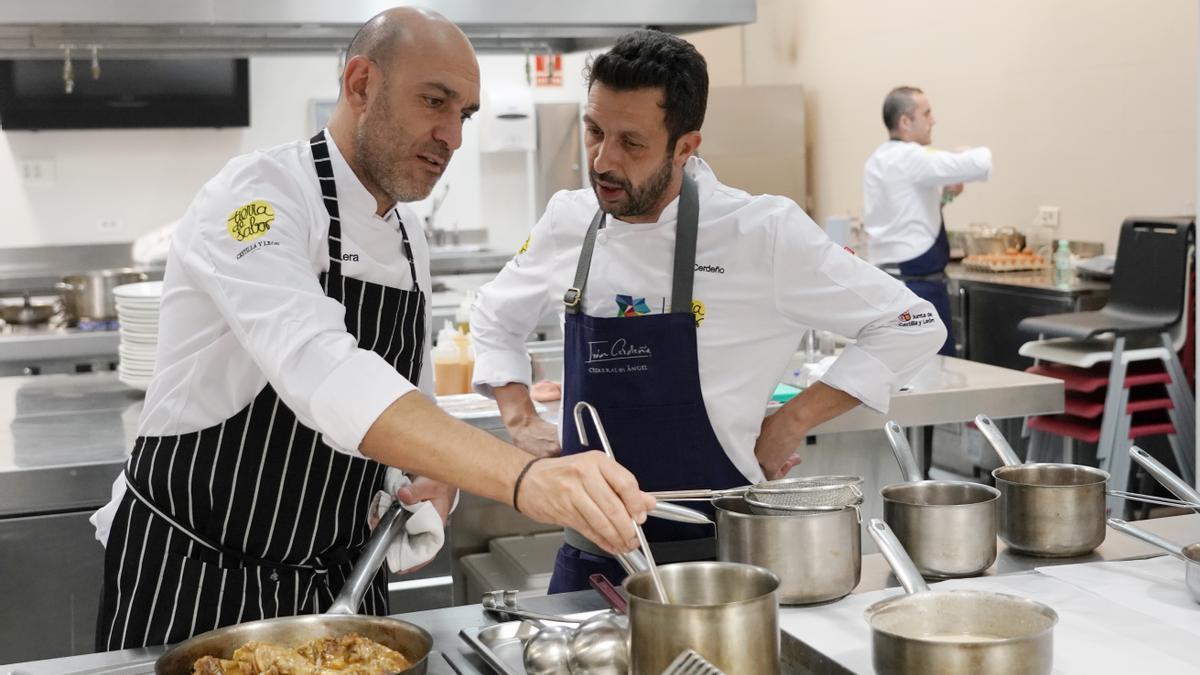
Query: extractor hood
{"x": 248, "y": 27}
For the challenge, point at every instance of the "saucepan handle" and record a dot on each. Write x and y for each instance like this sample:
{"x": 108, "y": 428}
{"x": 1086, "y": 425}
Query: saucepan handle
{"x": 997, "y": 440}
{"x": 1165, "y": 476}
{"x": 903, "y": 452}
{"x": 902, "y": 566}
{"x": 389, "y": 527}
{"x": 1148, "y": 537}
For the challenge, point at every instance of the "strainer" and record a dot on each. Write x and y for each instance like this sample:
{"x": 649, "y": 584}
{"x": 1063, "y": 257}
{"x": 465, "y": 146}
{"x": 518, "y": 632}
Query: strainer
{"x": 784, "y": 496}
{"x": 806, "y": 493}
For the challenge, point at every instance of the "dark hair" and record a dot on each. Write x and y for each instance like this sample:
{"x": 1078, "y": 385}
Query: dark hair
{"x": 899, "y": 102}
{"x": 651, "y": 58}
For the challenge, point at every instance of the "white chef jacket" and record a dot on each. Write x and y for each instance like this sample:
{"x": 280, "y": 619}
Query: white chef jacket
{"x": 236, "y": 315}
{"x": 902, "y": 195}
{"x": 764, "y": 273}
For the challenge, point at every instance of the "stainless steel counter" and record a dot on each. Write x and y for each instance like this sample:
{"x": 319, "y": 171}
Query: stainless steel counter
{"x": 1041, "y": 280}
{"x": 953, "y": 390}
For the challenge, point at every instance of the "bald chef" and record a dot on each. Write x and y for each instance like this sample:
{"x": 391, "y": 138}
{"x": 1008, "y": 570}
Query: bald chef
{"x": 684, "y": 300}
{"x": 293, "y": 338}
{"x": 905, "y": 184}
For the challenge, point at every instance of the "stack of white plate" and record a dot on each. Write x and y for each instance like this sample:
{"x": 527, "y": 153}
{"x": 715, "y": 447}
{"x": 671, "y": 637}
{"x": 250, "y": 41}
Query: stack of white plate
{"x": 137, "y": 312}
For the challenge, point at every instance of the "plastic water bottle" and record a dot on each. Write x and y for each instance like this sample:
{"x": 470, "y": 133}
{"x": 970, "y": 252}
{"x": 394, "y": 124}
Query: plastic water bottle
{"x": 1062, "y": 263}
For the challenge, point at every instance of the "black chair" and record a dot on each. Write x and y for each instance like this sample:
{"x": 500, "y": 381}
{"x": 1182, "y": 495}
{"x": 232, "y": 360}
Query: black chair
{"x": 1147, "y": 294}
{"x": 1147, "y": 299}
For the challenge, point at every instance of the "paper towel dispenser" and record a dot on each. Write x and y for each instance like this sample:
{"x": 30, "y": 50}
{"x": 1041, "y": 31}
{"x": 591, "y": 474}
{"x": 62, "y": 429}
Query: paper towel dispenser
{"x": 509, "y": 119}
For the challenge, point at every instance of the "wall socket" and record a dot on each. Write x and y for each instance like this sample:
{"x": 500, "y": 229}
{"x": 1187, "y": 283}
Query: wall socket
{"x": 37, "y": 171}
{"x": 108, "y": 225}
{"x": 1047, "y": 215}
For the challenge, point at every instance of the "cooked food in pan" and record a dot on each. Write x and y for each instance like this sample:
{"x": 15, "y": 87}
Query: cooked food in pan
{"x": 346, "y": 655}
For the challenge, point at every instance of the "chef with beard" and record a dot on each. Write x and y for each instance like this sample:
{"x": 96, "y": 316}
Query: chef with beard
{"x": 683, "y": 301}
{"x": 292, "y": 369}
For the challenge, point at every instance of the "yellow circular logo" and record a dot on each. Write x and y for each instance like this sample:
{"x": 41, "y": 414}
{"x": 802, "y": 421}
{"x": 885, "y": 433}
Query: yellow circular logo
{"x": 699, "y": 311}
{"x": 250, "y": 221}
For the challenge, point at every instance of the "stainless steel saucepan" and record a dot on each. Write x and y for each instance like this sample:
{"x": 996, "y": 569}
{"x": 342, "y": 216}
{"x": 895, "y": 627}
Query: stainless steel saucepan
{"x": 977, "y": 632}
{"x": 1058, "y": 510}
{"x": 409, "y": 639}
{"x": 947, "y": 527}
{"x": 1048, "y": 510}
{"x": 89, "y": 295}
{"x": 817, "y": 554}
{"x": 1189, "y": 554}
{"x": 727, "y": 612}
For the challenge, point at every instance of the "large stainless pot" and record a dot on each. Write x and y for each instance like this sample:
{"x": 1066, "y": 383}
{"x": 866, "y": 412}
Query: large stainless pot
{"x": 89, "y": 295}
{"x": 948, "y": 527}
{"x": 817, "y": 555}
{"x": 929, "y": 632}
{"x": 727, "y": 612}
{"x": 409, "y": 639}
{"x": 1047, "y": 510}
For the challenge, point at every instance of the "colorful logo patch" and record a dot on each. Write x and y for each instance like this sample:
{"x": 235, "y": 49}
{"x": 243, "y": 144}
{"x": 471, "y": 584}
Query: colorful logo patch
{"x": 699, "y": 311}
{"x": 906, "y": 316}
{"x": 250, "y": 221}
{"x": 627, "y": 305}
{"x": 525, "y": 246}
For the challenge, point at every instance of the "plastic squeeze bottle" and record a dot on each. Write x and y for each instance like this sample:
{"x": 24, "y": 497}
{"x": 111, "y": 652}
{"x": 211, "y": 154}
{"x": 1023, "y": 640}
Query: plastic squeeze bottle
{"x": 448, "y": 367}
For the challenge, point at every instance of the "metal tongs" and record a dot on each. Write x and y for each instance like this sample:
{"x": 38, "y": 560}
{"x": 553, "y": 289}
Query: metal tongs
{"x": 627, "y": 560}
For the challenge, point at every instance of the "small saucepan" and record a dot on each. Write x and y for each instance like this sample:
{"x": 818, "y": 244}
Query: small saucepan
{"x": 1190, "y": 554}
{"x": 977, "y": 632}
{"x": 1047, "y": 510}
{"x": 947, "y": 527}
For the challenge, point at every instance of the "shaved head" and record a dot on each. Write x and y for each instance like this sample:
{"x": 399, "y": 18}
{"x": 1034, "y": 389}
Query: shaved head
{"x": 410, "y": 81}
{"x": 402, "y": 28}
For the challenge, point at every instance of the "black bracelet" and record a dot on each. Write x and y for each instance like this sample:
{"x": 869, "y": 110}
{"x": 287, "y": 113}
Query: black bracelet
{"x": 521, "y": 477}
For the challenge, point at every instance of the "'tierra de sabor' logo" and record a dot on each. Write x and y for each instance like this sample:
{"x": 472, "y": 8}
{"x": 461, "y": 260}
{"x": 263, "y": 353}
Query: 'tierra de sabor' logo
{"x": 250, "y": 221}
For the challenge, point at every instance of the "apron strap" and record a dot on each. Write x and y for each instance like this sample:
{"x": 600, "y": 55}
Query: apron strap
{"x": 324, "y": 166}
{"x": 573, "y": 299}
{"x": 686, "y": 231}
{"x": 683, "y": 271}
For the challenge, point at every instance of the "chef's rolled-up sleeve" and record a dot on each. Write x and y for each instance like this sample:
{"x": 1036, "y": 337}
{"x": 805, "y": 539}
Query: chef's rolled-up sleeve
{"x": 942, "y": 167}
{"x": 251, "y": 252}
{"x": 508, "y": 308}
{"x": 820, "y": 285}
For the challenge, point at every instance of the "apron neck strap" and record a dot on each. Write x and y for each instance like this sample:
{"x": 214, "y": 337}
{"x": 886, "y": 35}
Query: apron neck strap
{"x": 324, "y": 167}
{"x": 683, "y": 271}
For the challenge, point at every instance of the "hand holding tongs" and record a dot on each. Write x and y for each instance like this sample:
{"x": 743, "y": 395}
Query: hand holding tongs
{"x": 630, "y": 563}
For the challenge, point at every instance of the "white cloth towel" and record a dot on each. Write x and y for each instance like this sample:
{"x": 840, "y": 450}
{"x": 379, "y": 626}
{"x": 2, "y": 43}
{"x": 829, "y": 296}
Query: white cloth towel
{"x": 423, "y": 534}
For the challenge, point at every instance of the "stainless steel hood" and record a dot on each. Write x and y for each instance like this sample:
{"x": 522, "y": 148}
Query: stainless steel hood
{"x": 248, "y": 27}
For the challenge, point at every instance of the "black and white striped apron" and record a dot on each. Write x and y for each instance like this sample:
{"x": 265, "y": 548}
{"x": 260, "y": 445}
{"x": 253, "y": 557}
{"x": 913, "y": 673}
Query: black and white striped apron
{"x": 254, "y": 517}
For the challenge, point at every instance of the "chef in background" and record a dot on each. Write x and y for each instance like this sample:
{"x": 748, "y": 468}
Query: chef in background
{"x": 293, "y": 369}
{"x": 684, "y": 300}
{"x": 905, "y": 184}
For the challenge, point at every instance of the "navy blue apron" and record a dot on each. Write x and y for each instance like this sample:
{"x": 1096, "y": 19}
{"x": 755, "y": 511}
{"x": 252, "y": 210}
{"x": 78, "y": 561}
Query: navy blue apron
{"x": 925, "y": 275}
{"x": 643, "y": 377}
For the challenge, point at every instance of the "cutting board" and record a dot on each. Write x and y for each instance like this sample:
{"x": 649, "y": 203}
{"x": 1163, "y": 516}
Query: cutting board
{"x": 1094, "y": 634}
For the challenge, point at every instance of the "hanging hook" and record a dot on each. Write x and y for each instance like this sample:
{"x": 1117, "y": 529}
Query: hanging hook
{"x": 95, "y": 62}
{"x": 68, "y": 70}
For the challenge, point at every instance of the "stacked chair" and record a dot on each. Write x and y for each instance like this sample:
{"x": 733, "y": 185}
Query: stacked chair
{"x": 1120, "y": 364}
